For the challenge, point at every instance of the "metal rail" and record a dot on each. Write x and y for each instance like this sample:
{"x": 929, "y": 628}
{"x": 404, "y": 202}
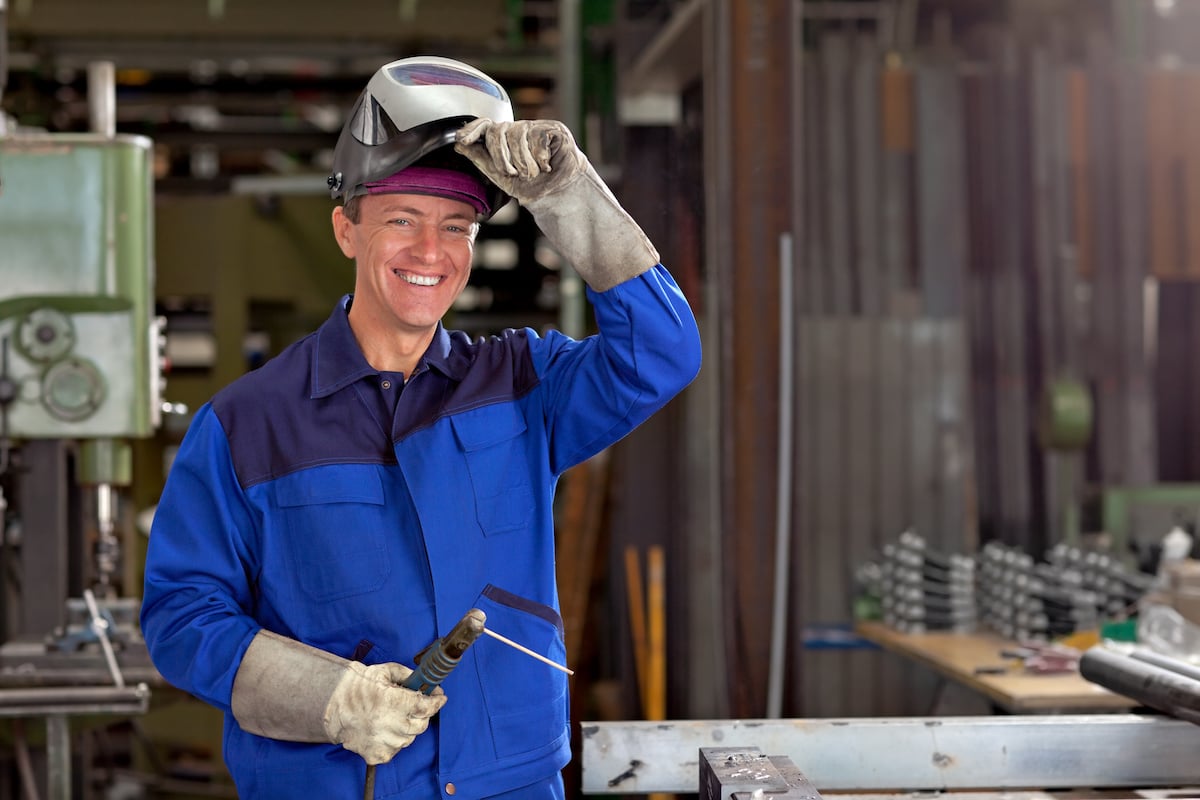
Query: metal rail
{"x": 905, "y": 754}
{"x": 57, "y": 704}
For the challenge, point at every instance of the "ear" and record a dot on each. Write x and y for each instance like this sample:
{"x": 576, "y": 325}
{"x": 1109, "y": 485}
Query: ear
{"x": 342, "y": 232}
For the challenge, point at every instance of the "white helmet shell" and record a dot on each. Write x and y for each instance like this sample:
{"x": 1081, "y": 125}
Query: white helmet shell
{"x": 409, "y": 109}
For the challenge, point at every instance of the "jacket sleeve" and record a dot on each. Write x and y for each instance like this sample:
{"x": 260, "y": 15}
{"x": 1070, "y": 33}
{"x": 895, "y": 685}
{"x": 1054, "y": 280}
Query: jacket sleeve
{"x": 600, "y": 388}
{"x": 199, "y": 570}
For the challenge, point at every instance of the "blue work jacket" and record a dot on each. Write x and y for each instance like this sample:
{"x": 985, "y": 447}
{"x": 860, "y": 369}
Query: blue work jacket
{"x": 290, "y": 506}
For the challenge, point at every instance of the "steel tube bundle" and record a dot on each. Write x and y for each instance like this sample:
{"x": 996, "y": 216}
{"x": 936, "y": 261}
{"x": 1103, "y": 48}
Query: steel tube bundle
{"x": 1155, "y": 680}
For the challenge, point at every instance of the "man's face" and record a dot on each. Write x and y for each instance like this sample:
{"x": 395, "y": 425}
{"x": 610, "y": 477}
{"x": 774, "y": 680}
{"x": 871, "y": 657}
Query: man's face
{"x": 413, "y": 258}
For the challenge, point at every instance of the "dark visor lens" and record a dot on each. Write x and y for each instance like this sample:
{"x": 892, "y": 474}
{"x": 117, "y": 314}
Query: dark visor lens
{"x": 369, "y": 124}
{"x": 434, "y": 75}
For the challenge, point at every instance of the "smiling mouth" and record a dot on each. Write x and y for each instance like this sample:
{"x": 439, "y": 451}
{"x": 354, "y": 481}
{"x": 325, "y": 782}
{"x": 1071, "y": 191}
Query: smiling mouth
{"x": 418, "y": 280}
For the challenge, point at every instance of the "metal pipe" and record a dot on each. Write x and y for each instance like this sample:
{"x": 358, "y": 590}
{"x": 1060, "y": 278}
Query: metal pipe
{"x": 3, "y": 60}
{"x": 36, "y": 701}
{"x": 58, "y": 757}
{"x": 107, "y": 545}
{"x": 572, "y": 298}
{"x": 783, "y": 490}
{"x": 1166, "y": 662}
{"x": 24, "y": 763}
{"x": 1159, "y": 688}
{"x": 102, "y": 98}
{"x": 100, "y": 627}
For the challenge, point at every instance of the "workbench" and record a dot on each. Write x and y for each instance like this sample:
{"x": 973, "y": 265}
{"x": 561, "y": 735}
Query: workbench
{"x": 957, "y": 656}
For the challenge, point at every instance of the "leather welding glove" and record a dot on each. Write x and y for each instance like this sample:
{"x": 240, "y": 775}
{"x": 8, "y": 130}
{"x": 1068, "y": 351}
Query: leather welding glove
{"x": 287, "y": 690}
{"x": 538, "y": 163}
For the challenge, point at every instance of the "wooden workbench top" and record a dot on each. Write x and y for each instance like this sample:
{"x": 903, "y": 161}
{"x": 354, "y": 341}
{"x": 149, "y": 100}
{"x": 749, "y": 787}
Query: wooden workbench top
{"x": 957, "y": 655}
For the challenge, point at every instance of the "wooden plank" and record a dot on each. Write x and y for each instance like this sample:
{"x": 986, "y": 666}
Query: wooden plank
{"x": 958, "y": 655}
{"x": 581, "y": 501}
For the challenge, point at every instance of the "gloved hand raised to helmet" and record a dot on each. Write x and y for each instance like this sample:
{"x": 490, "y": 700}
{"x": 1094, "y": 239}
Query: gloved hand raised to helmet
{"x": 287, "y": 690}
{"x": 528, "y": 159}
{"x": 538, "y": 163}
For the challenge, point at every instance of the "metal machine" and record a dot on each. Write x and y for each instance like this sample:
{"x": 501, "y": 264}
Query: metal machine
{"x": 80, "y": 352}
{"x": 80, "y": 378}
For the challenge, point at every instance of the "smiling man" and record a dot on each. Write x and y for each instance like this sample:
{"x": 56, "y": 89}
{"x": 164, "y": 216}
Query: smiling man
{"x": 333, "y": 512}
{"x": 413, "y": 249}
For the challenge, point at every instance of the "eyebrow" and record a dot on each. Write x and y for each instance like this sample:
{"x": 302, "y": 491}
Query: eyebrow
{"x": 393, "y": 208}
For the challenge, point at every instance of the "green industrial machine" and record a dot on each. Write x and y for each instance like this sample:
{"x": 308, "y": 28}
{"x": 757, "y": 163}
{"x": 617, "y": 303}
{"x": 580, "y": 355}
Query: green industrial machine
{"x": 80, "y": 345}
{"x": 81, "y": 342}
{"x": 81, "y": 357}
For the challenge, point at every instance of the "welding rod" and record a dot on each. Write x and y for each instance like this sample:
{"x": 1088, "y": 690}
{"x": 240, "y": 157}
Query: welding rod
{"x": 527, "y": 651}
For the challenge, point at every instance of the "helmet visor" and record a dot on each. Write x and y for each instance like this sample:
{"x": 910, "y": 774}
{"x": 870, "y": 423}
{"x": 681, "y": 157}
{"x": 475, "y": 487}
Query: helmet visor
{"x": 442, "y": 75}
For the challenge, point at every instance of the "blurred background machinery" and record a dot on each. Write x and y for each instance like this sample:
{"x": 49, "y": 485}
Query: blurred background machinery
{"x": 80, "y": 379}
{"x": 943, "y": 253}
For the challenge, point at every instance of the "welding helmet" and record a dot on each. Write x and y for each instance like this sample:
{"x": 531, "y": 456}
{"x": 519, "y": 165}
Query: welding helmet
{"x": 409, "y": 112}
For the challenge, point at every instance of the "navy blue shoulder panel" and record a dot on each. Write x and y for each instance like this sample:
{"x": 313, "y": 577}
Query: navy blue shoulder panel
{"x": 497, "y": 369}
{"x": 275, "y": 426}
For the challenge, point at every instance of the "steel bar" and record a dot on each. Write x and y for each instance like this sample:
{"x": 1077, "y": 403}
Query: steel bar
{"x": 905, "y": 754}
{"x": 1153, "y": 685}
{"x": 1166, "y": 662}
{"x": 58, "y": 757}
{"x": 38, "y": 701}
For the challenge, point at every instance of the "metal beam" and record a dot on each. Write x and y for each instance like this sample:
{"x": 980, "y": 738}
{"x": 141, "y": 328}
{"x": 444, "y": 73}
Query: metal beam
{"x": 904, "y": 754}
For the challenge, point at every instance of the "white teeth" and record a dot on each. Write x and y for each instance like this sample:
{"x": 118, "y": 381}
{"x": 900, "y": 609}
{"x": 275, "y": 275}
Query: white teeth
{"x": 420, "y": 280}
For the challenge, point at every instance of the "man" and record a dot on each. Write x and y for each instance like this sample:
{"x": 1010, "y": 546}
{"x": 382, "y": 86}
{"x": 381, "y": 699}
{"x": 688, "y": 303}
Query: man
{"x": 332, "y": 513}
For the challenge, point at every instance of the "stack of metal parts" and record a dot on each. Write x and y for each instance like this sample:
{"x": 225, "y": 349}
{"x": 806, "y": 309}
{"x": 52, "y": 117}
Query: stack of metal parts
{"x": 1021, "y": 598}
{"x": 925, "y": 590}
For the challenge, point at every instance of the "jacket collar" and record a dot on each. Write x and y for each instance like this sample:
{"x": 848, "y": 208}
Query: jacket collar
{"x": 338, "y": 361}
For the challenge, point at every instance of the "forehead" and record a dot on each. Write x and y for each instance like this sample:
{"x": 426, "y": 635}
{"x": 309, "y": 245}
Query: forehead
{"x": 419, "y": 205}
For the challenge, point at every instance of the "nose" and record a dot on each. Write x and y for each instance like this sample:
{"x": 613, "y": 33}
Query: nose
{"x": 428, "y": 244}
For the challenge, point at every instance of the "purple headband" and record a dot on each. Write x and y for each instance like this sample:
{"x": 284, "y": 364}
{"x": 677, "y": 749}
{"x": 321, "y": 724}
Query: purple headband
{"x": 448, "y": 183}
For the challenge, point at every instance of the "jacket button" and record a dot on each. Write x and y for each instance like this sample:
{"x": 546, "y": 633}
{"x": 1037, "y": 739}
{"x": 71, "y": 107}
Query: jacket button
{"x": 450, "y": 788}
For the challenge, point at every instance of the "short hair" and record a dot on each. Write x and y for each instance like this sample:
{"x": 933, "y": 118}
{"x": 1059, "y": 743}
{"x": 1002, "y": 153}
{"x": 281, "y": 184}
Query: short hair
{"x": 351, "y": 210}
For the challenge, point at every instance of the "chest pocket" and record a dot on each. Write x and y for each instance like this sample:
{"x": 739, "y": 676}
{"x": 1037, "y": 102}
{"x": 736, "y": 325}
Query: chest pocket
{"x": 332, "y": 529}
{"x": 493, "y": 444}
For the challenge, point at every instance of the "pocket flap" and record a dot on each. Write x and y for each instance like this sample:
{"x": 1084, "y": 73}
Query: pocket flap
{"x": 487, "y": 426}
{"x": 340, "y": 483}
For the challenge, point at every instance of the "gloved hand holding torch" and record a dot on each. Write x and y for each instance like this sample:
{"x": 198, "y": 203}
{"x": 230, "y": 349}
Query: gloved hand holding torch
{"x": 287, "y": 690}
